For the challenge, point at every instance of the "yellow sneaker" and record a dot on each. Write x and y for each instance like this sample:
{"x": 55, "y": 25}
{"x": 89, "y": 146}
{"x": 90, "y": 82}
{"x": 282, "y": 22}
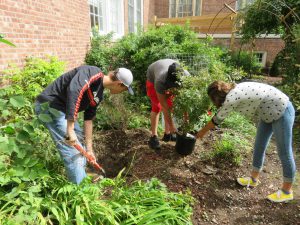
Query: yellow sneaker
{"x": 280, "y": 196}
{"x": 247, "y": 182}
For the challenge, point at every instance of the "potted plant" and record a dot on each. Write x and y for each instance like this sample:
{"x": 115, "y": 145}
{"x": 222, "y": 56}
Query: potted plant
{"x": 191, "y": 102}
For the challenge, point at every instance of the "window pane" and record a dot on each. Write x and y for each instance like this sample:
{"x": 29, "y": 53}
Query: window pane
{"x": 173, "y": 8}
{"x": 130, "y": 18}
{"x": 97, "y": 21}
{"x": 91, "y": 9}
{"x": 198, "y": 8}
{"x": 92, "y": 21}
{"x": 96, "y": 10}
{"x": 138, "y": 4}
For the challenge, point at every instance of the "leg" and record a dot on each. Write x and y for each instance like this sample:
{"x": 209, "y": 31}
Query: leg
{"x": 154, "y": 115}
{"x": 263, "y": 135}
{"x": 283, "y": 134}
{"x": 154, "y": 122}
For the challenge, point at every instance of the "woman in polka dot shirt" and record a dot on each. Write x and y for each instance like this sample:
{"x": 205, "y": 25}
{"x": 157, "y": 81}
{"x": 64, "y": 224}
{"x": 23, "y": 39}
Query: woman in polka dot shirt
{"x": 276, "y": 115}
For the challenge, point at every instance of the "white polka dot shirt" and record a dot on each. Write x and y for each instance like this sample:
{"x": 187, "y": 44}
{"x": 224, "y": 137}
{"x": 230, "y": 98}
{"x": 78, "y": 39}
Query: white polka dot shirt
{"x": 252, "y": 98}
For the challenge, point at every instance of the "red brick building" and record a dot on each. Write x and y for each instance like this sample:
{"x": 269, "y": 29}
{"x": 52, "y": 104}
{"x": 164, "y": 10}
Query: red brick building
{"x": 266, "y": 47}
{"x": 63, "y": 27}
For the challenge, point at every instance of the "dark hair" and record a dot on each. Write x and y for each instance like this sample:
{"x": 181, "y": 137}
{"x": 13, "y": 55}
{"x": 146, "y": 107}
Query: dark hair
{"x": 218, "y": 90}
{"x": 172, "y": 79}
{"x": 114, "y": 75}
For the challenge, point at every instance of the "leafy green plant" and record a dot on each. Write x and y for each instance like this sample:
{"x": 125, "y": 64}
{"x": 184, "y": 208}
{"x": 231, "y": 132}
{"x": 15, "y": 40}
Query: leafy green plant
{"x": 138, "y": 51}
{"x": 276, "y": 17}
{"x": 246, "y": 61}
{"x": 101, "y": 53}
{"x": 239, "y": 124}
{"x": 191, "y": 99}
{"x": 34, "y": 77}
{"x": 226, "y": 150}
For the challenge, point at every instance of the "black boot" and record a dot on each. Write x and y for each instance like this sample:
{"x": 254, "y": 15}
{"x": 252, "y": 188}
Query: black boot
{"x": 154, "y": 142}
{"x": 166, "y": 137}
{"x": 173, "y": 137}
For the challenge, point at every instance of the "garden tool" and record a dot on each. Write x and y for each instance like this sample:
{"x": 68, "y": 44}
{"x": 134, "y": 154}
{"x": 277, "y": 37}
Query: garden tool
{"x": 93, "y": 162}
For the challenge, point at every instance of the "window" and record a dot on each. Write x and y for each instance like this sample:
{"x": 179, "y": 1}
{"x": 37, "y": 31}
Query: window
{"x": 241, "y": 4}
{"x": 182, "y": 8}
{"x": 134, "y": 15}
{"x": 261, "y": 58}
{"x": 108, "y": 16}
{"x": 96, "y": 14}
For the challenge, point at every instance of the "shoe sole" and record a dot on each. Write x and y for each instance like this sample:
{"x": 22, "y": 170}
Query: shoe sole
{"x": 280, "y": 201}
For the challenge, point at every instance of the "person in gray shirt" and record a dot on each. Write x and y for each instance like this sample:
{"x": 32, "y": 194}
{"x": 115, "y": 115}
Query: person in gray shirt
{"x": 161, "y": 77}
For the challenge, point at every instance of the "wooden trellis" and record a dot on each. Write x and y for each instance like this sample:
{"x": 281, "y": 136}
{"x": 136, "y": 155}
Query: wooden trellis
{"x": 220, "y": 23}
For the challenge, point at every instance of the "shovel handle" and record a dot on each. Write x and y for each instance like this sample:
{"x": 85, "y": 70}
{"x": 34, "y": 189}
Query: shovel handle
{"x": 89, "y": 158}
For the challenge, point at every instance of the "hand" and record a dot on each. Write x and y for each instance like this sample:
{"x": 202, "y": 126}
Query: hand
{"x": 71, "y": 138}
{"x": 91, "y": 153}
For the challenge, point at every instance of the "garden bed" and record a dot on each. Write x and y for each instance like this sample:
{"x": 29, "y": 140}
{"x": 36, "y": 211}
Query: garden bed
{"x": 219, "y": 200}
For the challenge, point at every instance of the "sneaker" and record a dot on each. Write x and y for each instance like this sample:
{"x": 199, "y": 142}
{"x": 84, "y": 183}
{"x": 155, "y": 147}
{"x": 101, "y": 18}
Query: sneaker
{"x": 247, "y": 182}
{"x": 280, "y": 196}
{"x": 166, "y": 137}
{"x": 154, "y": 142}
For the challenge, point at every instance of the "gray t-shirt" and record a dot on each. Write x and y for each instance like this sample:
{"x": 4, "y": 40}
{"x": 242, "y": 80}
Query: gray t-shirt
{"x": 157, "y": 73}
{"x": 250, "y": 98}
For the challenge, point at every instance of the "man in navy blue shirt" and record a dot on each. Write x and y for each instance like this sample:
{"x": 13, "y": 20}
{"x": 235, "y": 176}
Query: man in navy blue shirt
{"x": 80, "y": 89}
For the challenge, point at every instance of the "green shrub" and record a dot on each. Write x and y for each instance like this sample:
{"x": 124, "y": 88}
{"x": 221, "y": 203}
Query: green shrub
{"x": 138, "y": 51}
{"x": 225, "y": 151}
{"x": 34, "y": 77}
{"x": 245, "y": 60}
{"x": 101, "y": 52}
{"x": 191, "y": 98}
{"x": 240, "y": 124}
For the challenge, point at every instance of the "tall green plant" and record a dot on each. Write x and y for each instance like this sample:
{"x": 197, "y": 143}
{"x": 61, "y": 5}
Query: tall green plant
{"x": 138, "y": 51}
{"x": 191, "y": 98}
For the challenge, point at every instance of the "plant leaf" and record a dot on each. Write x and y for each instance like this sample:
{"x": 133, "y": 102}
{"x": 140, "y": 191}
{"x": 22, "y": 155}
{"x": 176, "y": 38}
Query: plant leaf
{"x": 54, "y": 112}
{"x": 17, "y": 101}
{"x": 23, "y": 136}
{"x": 45, "y": 118}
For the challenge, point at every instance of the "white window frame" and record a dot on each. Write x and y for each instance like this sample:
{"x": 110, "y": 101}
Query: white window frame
{"x": 97, "y": 3}
{"x": 135, "y": 16}
{"x": 177, "y": 6}
{"x": 107, "y": 17}
{"x": 264, "y": 57}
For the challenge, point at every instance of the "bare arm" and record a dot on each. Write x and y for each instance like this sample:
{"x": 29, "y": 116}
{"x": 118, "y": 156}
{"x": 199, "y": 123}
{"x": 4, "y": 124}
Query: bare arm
{"x": 70, "y": 133}
{"x": 88, "y": 131}
{"x": 162, "y": 98}
{"x": 210, "y": 125}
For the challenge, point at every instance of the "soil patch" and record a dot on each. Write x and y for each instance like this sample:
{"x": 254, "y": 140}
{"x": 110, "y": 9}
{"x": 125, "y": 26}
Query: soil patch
{"x": 219, "y": 200}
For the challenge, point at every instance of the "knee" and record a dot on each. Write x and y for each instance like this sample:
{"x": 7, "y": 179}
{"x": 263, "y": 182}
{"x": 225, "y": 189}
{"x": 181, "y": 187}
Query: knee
{"x": 156, "y": 108}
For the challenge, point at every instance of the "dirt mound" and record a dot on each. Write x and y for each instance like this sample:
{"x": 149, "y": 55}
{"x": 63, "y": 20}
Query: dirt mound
{"x": 219, "y": 200}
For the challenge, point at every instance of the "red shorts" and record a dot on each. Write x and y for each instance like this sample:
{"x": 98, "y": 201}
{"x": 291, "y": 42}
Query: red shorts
{"x": 151, "y": 93}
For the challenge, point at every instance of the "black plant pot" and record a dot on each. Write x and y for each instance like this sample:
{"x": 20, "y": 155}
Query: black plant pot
{"x": 185, "y": 144}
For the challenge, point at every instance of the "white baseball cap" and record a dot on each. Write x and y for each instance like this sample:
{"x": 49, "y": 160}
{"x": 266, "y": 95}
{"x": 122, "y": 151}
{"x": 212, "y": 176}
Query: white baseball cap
{"x": 126, "y": 77}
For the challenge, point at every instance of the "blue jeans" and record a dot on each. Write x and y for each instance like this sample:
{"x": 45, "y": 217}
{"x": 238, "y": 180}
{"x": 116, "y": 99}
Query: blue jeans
{"x": 74, "y": 162}
{"x": 282, "y": 129}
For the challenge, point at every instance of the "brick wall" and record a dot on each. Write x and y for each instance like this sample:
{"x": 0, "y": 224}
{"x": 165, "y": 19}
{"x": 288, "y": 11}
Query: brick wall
{"x": 54, "y": 27}
{"x": 213, "y": 6}
{"x": 162, "y": 8}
